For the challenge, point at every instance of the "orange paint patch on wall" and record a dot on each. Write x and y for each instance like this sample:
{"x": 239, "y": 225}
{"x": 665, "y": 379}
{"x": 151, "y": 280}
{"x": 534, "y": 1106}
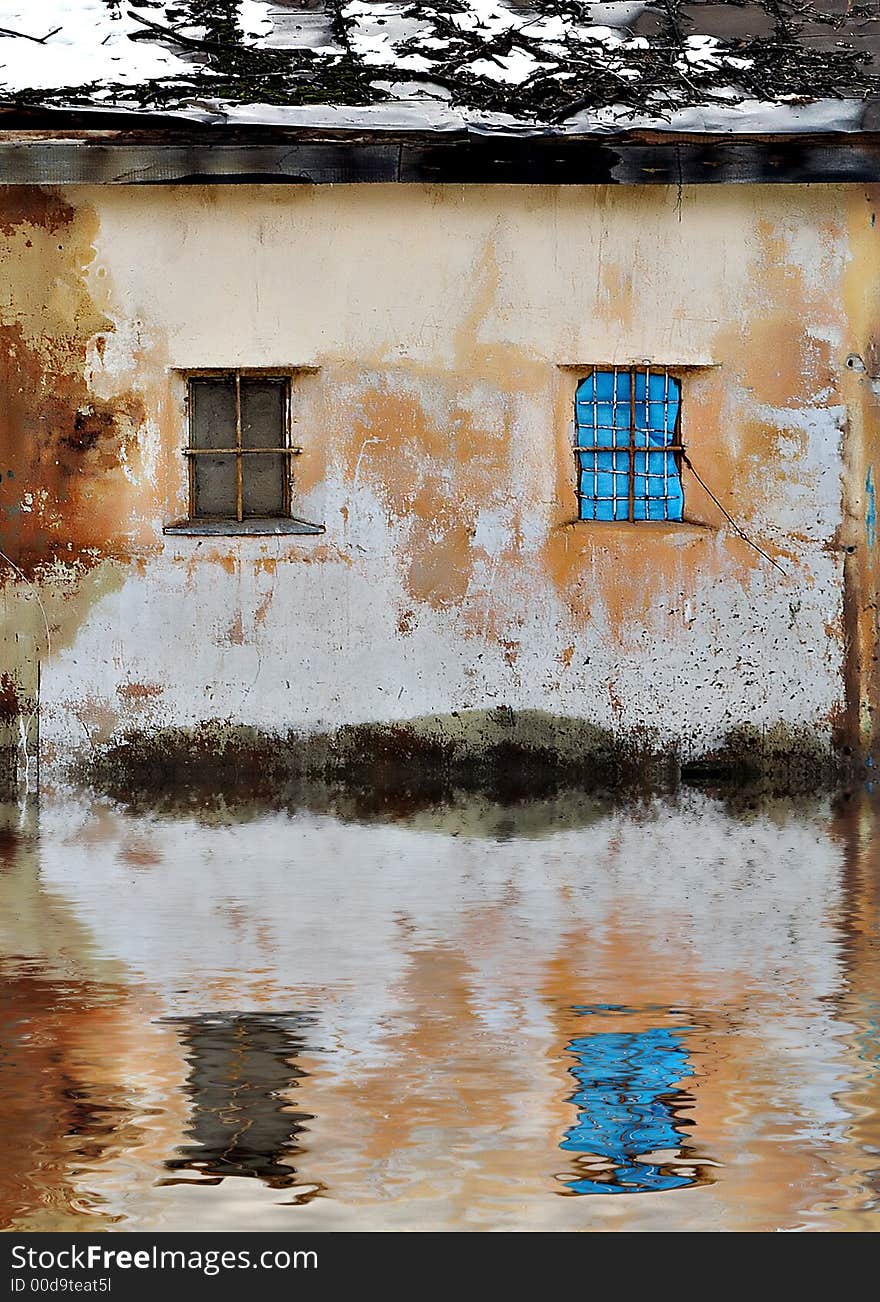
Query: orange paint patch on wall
{"x": 262, "y": 610}
{"x": 98, "y": 718}
{"x": 615, "y": 295}
{"x": 433, "y": 475}
{"x": 227, "y": 562}
{"x": 235, "y": 634}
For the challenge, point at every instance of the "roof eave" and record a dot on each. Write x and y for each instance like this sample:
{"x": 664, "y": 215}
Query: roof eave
{"x": 49, "y": 146}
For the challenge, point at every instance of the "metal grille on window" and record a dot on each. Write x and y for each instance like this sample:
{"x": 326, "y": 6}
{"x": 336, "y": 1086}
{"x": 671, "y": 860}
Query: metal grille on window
{"x": 628, "y": 445}
{"x": 239, "y": 447}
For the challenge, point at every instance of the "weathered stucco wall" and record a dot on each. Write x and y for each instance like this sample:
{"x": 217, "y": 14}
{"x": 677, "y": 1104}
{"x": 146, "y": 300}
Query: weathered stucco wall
{"x": 448, "y": 327}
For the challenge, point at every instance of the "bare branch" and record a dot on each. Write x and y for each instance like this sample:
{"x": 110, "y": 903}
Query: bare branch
{"x": 169, "y": 34}
{"x": 40, "y": 40}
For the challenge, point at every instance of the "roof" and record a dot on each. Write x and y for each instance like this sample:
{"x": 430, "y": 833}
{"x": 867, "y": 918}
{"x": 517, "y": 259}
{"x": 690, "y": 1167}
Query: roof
{"x": 548, "y": 72}
{"x": 493, "y": 64}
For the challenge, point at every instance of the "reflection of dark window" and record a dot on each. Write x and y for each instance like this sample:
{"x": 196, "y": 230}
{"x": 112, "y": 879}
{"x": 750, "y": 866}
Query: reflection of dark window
{"x": 629, "y": 1104}
{"x": 241, "y": 1069}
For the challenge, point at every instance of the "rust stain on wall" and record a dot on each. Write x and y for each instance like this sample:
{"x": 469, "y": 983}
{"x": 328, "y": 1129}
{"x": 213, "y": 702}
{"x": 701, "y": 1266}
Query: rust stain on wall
{"x": 138, "y": 692}
{"x": 70, "y": 465}
{"x": 857, "y": 729}
{"x": 10, "y": 698}
{"x": 68, "y": 457}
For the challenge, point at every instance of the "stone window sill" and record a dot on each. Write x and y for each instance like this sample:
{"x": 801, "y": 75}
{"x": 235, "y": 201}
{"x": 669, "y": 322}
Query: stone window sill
{"x": 243, "y": 528}
{"x": 681, "y": 529}
{"x": 698, "y": 525}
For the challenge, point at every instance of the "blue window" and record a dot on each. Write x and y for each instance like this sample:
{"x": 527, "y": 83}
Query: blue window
{"x": 628, "y": 445}
{"x": 629, "y": 1101}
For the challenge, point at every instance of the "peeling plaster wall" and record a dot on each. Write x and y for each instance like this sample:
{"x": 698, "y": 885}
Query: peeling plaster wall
{"x": 449, "y": 327}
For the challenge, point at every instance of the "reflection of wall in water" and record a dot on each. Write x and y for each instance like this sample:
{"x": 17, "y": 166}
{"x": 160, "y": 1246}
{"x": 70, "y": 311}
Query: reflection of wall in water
{"x": 67, "y": 1109}
{"x": 629, "y": 1105}
{"x": 241, "y": 1069}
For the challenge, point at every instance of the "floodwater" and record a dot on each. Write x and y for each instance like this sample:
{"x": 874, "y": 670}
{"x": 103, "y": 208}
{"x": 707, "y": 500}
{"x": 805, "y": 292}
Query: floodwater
{"x": 564, "y": 1015}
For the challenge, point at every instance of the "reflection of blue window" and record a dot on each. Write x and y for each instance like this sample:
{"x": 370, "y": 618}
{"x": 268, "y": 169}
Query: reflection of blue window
{"x": 627, "y": 1098}
{"x": 636, "y": 413}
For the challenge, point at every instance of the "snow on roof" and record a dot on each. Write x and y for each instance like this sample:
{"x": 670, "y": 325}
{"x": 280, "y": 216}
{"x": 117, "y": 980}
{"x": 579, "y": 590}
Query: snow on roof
{"x": 749, "y": 65}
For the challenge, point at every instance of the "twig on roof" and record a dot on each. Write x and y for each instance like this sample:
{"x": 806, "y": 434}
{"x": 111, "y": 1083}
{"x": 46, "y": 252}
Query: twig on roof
{"x": 189, "y": 42}
{"x": 26, "y": 36}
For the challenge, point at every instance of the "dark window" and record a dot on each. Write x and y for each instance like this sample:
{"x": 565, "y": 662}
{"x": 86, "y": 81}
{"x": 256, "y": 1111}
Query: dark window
{"x": 628, "y": 445}
{"x": 239, "y": 449}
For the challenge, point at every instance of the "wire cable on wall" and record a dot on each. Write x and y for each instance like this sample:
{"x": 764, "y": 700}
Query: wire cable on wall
{"x": 723, "y": 509}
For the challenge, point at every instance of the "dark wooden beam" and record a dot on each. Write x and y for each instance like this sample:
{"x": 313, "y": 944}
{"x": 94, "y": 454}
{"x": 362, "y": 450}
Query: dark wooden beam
{"x": 458, "y": 158}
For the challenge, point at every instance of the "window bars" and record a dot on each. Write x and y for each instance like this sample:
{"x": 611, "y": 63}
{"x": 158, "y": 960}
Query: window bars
{"x": 628, "y": 445}
{"x": 239, "y": 446}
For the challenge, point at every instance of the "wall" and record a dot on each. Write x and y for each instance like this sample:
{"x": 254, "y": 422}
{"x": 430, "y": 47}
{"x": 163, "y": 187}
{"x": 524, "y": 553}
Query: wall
{"x": 449, "y": 327}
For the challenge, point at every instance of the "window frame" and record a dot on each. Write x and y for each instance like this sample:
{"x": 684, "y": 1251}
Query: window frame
{"x": 287, "y": 449}
{"x": 675, "y": 449}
